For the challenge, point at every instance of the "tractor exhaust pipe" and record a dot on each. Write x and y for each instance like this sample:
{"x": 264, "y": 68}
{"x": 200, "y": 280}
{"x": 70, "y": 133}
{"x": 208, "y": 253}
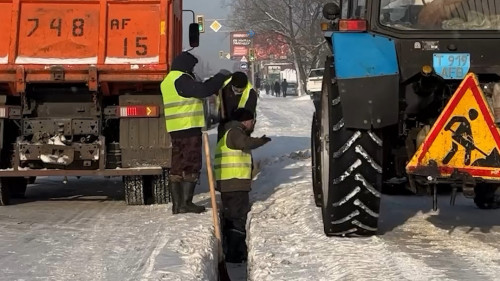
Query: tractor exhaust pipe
{"x": 428, "y": 83}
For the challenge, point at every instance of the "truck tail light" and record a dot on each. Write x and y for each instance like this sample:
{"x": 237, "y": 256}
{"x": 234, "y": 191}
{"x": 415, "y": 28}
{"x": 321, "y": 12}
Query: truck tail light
{"x": 139, "y": 111}
{"x": 352, "y": 25}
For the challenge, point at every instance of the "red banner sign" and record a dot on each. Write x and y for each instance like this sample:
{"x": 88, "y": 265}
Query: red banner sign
{"x": 240, "y": 43}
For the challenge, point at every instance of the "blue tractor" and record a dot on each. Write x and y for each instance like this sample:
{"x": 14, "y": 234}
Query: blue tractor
{"x": 394, "y": 67}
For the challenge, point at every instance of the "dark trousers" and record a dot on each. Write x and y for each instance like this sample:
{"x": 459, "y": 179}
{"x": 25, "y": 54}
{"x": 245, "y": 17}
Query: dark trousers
{"x": 235, "y": 207}
{"x": 186, "y": 158}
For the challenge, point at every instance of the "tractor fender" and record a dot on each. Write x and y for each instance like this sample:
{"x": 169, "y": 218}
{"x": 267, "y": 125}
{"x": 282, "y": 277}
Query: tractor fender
{"x": 367, "y": 75}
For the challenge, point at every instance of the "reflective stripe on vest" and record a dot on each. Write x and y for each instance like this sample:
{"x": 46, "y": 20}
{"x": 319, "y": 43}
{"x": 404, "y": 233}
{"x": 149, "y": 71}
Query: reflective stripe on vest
{"x": 231, "y": 163}
{"x": 226, "y": 82}
{"x": 180, "y": 113}
{"x": 244, "y": 96}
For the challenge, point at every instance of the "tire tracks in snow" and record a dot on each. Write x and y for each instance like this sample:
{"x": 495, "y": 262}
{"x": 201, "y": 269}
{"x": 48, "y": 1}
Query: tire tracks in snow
{"x": 78, "y": 237}
{"x": 286, "y": 242}
{"x": 461, "y": 255}
{"x": 333, "y": 258}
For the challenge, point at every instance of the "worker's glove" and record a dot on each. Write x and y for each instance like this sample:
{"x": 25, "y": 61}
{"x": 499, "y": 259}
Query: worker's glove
{"x": 225, "y": 72}
{"x": 265, "y": 139}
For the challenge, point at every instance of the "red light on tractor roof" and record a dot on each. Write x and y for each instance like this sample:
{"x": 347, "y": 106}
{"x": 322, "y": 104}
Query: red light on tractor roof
{"x": 352, "y": 25}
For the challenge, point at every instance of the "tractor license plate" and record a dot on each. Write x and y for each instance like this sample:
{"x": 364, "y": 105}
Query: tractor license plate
{"x": 451, "y": 66}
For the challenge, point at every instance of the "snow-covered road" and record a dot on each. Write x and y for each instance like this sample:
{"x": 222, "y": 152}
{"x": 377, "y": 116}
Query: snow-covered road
{"x": 83, "y": 230}
{"x": 286, "y": 240}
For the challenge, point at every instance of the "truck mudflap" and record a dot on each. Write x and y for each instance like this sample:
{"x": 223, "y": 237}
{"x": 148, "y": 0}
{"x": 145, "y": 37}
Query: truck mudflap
{"x": 463, "y": 143}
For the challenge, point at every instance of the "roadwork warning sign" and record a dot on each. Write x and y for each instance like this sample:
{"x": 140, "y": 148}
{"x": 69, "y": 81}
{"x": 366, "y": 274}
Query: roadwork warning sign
{"x": 464, "y": 137}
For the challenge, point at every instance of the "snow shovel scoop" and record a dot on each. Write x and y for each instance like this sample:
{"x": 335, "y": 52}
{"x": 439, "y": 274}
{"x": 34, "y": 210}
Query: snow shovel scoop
{"x": 223, "y": 274}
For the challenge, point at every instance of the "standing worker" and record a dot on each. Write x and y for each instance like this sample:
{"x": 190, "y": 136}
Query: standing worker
{"x": 277, "y": 88}
{"x": 257, "y": 84}
{"x": 284, "y": 86}
{"x": 184, "y": 116}
{"x": 237, "y": 93}
{"x": 233, "y": 172}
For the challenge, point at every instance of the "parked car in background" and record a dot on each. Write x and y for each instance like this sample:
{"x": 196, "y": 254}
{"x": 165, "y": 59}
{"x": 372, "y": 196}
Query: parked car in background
{"x": 291, "y": 89}
{"x": 314, "y": 83}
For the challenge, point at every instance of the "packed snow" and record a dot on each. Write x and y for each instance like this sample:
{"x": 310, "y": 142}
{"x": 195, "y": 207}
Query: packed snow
{"x": 285, "y": 233}
{"x": 83, "y": 230}
{"x": 121, "y": 60}
{"x": 35, "y": 60}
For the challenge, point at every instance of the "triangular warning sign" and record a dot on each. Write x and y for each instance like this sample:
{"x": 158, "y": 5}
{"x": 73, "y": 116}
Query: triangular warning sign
{"x": 463, "y": 138}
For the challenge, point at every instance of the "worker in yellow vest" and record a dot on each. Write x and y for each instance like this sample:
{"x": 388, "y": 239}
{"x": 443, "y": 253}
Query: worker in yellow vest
{"x": 184, "y": 116}
{"x": 238, "y": 92}
{"x": 233, "y": 172}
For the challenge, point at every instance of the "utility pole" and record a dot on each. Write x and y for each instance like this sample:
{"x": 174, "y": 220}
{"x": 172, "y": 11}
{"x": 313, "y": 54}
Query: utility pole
{"x": 252, "y": 64}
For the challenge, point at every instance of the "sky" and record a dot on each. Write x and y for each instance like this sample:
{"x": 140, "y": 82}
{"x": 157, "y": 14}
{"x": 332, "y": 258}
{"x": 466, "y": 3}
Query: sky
{"x": 210, "y": 42}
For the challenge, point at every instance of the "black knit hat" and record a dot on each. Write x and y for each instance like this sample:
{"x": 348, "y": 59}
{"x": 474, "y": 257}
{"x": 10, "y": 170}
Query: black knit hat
{"x": 239, "y": 79}
{"x": 242, "y": 114}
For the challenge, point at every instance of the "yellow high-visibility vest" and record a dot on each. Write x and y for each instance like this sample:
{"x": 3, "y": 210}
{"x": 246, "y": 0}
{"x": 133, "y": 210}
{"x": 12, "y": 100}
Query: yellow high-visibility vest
{"x": 180, "y": 113}
{"x": 231, "y": 163}
{"x": 244, "y": 96}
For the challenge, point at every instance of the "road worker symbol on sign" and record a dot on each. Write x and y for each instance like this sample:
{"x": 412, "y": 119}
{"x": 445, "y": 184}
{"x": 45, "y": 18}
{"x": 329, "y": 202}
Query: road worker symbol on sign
{"x": 464, "y": 137}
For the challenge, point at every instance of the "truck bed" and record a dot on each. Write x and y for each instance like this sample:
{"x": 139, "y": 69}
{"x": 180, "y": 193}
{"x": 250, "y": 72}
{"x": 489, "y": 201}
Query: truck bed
{"x": 87, "y": 41}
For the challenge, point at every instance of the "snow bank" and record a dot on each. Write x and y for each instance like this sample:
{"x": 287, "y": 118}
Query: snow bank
{"x": 188, "y": 251}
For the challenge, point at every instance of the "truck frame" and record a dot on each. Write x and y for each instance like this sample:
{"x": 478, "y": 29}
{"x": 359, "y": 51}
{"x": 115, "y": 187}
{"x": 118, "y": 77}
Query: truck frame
{"x": 80, "y": 92}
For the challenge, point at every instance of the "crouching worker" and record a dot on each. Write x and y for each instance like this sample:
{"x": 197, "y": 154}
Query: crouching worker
{"x": 233, "y": 172}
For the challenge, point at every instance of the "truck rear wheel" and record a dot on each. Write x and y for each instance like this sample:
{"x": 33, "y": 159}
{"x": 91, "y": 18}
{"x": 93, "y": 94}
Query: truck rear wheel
{"x": 351, "y": 171}
{"x": 31, "y": 180}
{"x": 160, "y": 185}
{"x": 134, "y": 190}
{"x": 16, "y": 186}
{"x": 4, "y": 195}
{"x": 316, "y": 164}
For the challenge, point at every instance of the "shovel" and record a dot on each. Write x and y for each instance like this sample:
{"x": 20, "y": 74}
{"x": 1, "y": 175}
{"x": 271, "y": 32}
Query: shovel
{"x": 223, "y": 274}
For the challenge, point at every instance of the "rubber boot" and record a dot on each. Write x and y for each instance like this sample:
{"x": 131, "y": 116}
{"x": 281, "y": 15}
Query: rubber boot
{"x": 176, "y": 191}
{"x": 187, "y": 202}
{"x": 236, "y": 248}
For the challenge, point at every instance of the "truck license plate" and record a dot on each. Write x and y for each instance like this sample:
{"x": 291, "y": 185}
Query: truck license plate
{"x": 451, "y": 66}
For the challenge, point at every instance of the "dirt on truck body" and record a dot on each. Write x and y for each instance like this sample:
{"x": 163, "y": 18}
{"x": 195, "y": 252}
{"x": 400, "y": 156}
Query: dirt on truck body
{"x": 80, "y": 95}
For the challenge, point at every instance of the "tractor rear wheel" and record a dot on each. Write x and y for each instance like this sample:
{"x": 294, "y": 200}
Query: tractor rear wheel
{"x": 351, "y": 170}
{"x": 316, "y": 161}
{"x": 487, "y": 196}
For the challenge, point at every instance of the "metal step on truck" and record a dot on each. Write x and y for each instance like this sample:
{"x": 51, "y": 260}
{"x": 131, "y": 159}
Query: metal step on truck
{"x": 411, "y": 95}
{"x": 80, "y": 92}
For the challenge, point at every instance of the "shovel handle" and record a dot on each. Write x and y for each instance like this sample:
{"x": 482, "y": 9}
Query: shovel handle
{"x": 215, "y": 215}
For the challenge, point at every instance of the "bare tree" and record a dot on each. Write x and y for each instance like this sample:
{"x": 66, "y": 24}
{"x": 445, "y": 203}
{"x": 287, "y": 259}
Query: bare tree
{"x": 297, "y": 21}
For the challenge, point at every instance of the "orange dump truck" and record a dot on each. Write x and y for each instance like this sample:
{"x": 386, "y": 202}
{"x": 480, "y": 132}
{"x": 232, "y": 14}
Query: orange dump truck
{"x": 80, "y": 92}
